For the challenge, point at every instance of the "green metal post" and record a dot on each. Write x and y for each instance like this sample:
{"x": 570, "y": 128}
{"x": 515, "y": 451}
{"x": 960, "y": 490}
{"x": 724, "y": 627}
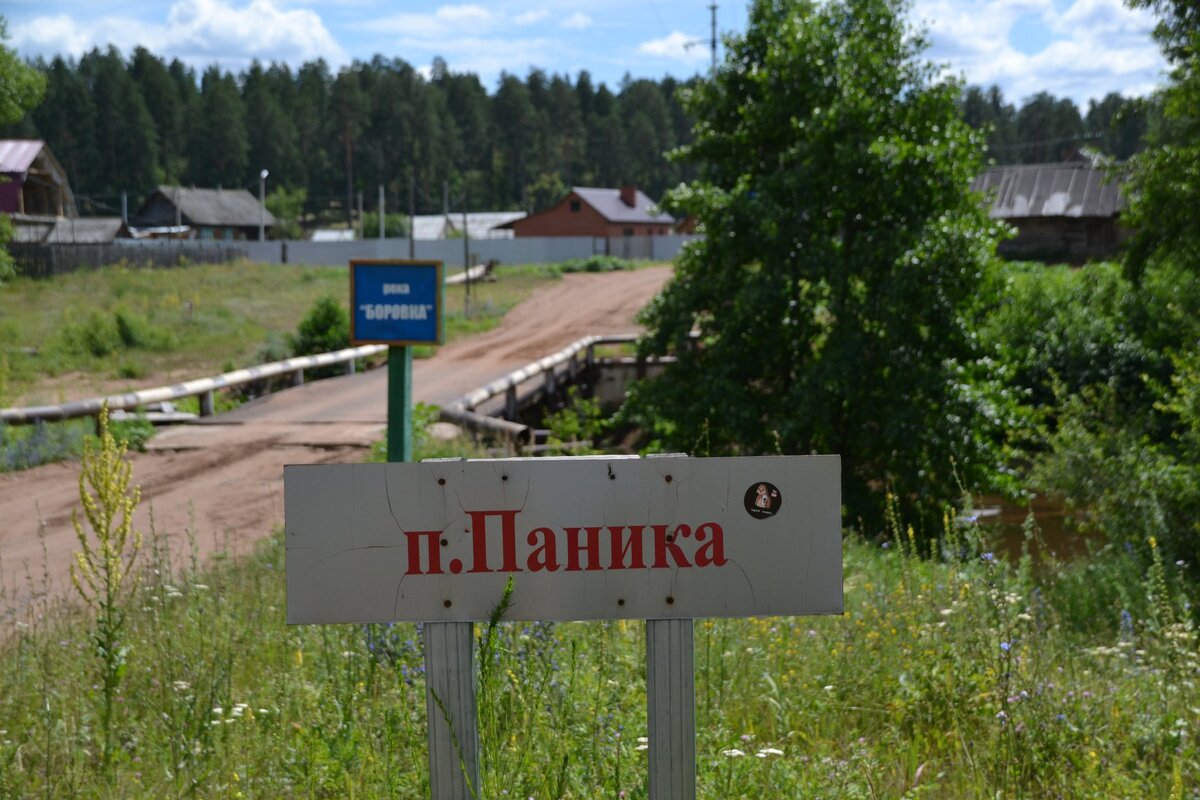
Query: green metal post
{"x": 400, "y": 423}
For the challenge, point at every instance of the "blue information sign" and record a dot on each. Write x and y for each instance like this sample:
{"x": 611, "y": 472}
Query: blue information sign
{"x": 395, "y": 302}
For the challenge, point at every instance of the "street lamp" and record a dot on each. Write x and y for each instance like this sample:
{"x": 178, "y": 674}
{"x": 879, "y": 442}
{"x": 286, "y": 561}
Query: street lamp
{"x": 262, "y": 205}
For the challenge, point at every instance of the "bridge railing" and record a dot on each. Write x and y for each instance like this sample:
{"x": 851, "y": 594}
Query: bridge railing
{"x": 542, "y": 377}
{"x": 204, "y": 388}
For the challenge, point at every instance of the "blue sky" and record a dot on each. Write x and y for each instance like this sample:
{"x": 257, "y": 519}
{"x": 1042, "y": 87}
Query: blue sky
{"x": 1078, "y": 48}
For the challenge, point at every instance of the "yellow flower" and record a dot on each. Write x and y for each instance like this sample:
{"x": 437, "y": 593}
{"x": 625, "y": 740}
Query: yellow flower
{"x": 298, "y": 657}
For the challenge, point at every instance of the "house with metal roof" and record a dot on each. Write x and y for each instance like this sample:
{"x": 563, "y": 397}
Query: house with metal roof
{"x": 597, "y": 212}
{"x": 480, "y": 225}
{"x": 32, "y": 182}
{"x": 212, "y": 214}
{"x": 1068, "y": 212}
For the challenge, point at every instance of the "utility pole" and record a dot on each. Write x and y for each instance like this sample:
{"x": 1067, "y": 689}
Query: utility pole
{"x": 713, "y": 41}
{"x": 412, "y": 215}
{"x": 381, "y": 211}
{"x": 262, "y": 205}
{"x": 466, "y": 257}
{"x": 362, "y": 233}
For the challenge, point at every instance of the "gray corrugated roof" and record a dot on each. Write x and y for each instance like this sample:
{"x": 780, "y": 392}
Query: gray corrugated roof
{"x": 608, "y": 203}
{"x": 17, "y": 155}
{"x": 235, "y": 207}
{"x": 85, "y": 230}
{"x": 1074, "y": 189}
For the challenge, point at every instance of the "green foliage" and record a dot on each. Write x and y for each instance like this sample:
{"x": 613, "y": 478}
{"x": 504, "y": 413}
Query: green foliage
{"x": 1165, "y": 188}
{"x": 596, "y": 264}
{"x": 1059, "y": 330}
{"x": 42, "y": 443}
{"x": 102, "y": 334}
{"x": 21, "y": 86}
{"x": 395, "y": 226}
{"x": 103, "y": 572}
{"x": 580, "y": 422}
{"x": 325, "y": 328}
{"x": 287, "y": 206}
{"x": 1132, "y": 485}
{"x": 842, "y": 255}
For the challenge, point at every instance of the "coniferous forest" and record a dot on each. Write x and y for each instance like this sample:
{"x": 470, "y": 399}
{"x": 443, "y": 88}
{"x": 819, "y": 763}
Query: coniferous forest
{"x": 124, "y": 124}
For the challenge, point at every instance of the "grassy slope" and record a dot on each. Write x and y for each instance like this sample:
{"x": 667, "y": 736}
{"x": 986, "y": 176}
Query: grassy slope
{"x": 187, "y": 322}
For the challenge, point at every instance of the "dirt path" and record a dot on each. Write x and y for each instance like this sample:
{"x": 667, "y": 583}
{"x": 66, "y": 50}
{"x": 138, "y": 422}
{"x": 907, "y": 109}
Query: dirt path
{"x": 224, "y": 479}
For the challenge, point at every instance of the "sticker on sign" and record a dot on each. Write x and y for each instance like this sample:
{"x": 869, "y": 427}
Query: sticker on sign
{"x": 582, "y": 538}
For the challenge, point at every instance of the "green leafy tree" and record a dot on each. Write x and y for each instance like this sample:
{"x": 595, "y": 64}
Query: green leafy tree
{"x": 1165, "y": 190}
{"x": 21, "y": 89}
{"x": 287, "y": 206}
{"x": 842, "y": 254}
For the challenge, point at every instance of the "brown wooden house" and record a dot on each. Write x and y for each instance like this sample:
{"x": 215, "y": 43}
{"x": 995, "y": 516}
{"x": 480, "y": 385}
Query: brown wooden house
{"x": 211, "y": 214}
{"x": 597, "y": 212}
{"x": 1068, "y": 212}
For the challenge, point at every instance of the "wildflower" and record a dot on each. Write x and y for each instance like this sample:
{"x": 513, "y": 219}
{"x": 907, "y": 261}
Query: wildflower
{"x": 769, "y": 751}
{"x": 828, "y": 688}
{"x": 733, "y": 752}
{"x": 181, "y": 686}
{"x": 988, "y": 557}
{"x": 1005, "y": 646}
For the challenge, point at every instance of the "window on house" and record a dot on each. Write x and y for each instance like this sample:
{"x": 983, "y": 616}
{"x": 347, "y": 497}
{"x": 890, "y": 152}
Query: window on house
{"x": 575, "y": 206}
{"x": 627, "y": 232}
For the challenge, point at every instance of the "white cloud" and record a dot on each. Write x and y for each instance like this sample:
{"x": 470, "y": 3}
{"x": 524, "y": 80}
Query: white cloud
{"x": 446, "y": 22}
{"x": 675, "y": 45}
{"x": 196, "y": 31}
{"x": 531, "y": 17}
{"x": 1091, "y": 47}
{"x": 577, "y": 21}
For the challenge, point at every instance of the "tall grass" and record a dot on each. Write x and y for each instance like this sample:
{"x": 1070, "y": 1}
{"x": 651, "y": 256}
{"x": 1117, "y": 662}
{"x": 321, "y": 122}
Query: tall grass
{"x": 955, "y": 676}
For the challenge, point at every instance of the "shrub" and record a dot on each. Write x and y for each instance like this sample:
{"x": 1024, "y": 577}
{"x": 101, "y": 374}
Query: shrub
{"x": 596, "y": 264}
{"x": 395, "y": 226}
{"x": 325, "y": 327}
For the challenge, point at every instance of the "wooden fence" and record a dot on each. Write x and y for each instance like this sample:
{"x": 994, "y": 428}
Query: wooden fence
{"x": 48, "y": 260}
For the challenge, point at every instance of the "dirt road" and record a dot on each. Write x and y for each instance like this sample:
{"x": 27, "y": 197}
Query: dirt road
{"x": 224, "y": 478}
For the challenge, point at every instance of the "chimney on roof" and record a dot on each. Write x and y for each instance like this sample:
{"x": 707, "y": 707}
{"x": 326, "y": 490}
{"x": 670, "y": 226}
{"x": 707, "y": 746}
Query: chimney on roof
{"x": 629, "y": 196}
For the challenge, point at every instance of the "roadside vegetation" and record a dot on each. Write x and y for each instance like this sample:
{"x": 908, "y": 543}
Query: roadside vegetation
{"x": 109, "y": 330}
{"x": 953, "y": 674}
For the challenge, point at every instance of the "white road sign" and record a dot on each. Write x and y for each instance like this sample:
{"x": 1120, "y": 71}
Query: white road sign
{"x": 582, "y": 538}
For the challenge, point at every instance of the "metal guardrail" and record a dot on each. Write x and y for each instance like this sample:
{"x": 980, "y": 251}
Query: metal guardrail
{"x": 201, "y": 387}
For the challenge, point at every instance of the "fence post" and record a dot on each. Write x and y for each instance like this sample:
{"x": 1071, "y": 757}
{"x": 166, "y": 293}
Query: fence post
{"x": 207, "y": 404}
{"x": 298, "y": 378}
{"x": 349, "y": 367}
{"x": 510, "y": 403}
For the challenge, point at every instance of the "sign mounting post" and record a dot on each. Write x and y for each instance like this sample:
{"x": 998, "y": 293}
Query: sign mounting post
{"x": 397, "y": 303}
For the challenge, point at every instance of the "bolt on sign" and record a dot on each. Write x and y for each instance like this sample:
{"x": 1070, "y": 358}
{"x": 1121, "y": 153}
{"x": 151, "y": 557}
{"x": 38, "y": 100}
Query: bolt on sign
{"x": 582, "y": 538}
